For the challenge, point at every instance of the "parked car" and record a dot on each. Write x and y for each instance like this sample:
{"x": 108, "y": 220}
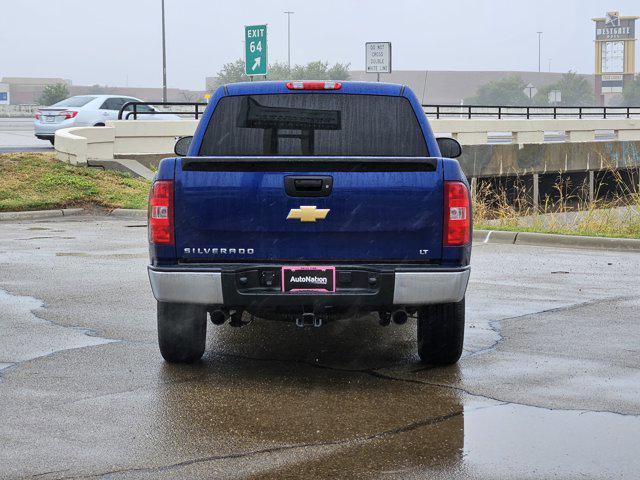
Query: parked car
{"x": 87, "y": 110}
{"x": 308, "y": 202}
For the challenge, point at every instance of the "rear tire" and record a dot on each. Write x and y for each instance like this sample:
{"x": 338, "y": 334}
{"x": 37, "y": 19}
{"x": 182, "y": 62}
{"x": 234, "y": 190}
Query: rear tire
{"x": 182, "y": 331}
{"x": 441, "y": 333}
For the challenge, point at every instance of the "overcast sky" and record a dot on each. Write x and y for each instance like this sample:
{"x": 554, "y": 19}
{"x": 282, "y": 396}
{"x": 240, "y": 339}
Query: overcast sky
{"x": 115, "y": 42}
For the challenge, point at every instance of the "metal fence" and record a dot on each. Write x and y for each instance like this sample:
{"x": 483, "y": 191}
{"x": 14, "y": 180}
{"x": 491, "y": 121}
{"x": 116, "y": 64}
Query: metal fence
{"x": 132, "y": 109}
{"x": 502, "y": 111}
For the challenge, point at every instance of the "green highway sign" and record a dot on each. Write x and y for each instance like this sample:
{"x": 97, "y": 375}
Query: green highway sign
{"x": 255, "y": 50}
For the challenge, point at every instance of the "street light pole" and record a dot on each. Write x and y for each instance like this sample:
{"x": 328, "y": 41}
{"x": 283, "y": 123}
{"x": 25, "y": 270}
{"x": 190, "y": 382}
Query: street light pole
{"x": 164, "y": 59}
{"x": 289, "y": 40}
{"x": 539, "y": 50}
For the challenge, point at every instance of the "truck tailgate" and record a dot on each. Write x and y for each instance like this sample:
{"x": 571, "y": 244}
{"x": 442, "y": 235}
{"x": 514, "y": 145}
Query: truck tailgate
{"x": 379, "y": 209}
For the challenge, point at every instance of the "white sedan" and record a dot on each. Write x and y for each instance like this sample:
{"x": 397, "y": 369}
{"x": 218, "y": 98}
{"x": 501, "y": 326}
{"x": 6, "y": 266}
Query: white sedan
{"x": 88, "y": 110}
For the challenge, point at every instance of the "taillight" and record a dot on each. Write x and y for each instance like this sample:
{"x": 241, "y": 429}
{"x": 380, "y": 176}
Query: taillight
{"x": 38, "y": 115}
{"x": 69, "y": 114}
{"x": 161, "y": 213}
{"x": 457, "y": 214}
{"x": 314, "y": 85}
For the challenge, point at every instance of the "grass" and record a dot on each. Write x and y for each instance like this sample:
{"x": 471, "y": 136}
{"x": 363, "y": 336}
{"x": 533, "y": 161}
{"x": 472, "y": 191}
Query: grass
{"x": 31, "y": 181}
{"x": 618, "y": 217}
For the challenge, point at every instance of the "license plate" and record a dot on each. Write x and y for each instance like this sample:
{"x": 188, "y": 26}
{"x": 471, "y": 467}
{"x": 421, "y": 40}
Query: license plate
{"x": 50, "y": 119}
{"x": 309, "y": 279}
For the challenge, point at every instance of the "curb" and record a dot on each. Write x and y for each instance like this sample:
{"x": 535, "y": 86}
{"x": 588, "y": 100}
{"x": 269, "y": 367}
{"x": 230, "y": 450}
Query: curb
{"x": 129, "y": 213}
{"x": 66, "y": 212}
{"x": 555, "y": 240}
{"x": 40, "y": 214}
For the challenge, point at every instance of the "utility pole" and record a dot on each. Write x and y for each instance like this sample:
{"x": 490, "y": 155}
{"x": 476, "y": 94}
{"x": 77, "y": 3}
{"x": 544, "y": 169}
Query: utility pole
{"x": 164, "y": 59}
{"x": 539, "y": 50}
{"x": 289, "y": 40}
{"x": 549, "y": 65}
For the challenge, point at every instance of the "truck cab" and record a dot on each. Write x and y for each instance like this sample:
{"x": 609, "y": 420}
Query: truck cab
{"x": 311, "y": 202}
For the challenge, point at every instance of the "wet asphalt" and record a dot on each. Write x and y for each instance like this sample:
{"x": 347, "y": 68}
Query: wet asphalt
{"x": 548, "y": 387}
{"x": 17, "y": 135}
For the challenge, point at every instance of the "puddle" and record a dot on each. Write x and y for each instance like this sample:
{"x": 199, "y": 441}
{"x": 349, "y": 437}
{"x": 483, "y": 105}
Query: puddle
{"x": 540, "y": 443}
{"x": 26, "y": 336}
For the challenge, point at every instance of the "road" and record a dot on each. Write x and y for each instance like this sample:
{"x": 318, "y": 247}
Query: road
{"x": 548, "y": 387}
{"x": 16, "y": 135}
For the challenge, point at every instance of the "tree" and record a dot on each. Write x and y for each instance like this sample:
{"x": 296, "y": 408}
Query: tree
{"x": 278, "y": 71}
{"x": 575, "y": 91}
{"x": 318, "y": 70}
{"x": 53, "y": 94}
{"x": 506, "y": 91}
{"x": 231, "y": 73}
{"x": 631, "y": 93}
{"x": 340, "y": 71}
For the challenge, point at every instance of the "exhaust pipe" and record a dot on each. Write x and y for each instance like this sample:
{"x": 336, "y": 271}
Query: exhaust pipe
{"x": 218, "y": 317}
{"x": 399, "y": 317}
{"x": 235, "y": 319}
{"x": 385, "y": 318}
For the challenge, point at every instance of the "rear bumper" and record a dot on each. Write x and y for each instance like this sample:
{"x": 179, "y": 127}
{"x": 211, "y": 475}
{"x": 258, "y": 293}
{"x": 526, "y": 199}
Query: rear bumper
{"x": 49, "y": 129}
{"x": 393, "y": 286}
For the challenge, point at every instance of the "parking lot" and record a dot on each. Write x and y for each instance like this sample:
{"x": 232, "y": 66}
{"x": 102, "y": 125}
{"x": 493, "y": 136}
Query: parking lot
{"x": 16, "y": 135}
{"x": 548, "y": 385}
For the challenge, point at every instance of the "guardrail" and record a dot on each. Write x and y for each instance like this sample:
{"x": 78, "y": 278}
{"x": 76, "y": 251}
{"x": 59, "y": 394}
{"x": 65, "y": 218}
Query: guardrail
{"x": 437, "y": 111}
{"x": 135, "y": 111}
{"x": 514, "y": 111}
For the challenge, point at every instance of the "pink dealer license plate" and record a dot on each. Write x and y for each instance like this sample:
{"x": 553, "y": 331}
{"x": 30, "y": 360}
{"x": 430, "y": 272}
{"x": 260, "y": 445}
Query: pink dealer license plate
{"x": 308, "y": 279}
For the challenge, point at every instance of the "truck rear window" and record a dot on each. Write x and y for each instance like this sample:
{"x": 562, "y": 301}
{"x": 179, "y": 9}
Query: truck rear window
{"x": 312, "y": 124}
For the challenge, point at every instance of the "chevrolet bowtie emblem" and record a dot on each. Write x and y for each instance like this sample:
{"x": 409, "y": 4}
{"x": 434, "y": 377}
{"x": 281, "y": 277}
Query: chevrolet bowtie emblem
{"x": 308, "y": 213}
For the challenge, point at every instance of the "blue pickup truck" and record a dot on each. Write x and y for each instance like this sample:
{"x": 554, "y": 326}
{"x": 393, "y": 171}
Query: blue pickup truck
{"x": 310, "y": 202}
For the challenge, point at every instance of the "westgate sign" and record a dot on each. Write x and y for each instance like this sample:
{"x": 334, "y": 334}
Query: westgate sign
{"x": 615, "y": 28}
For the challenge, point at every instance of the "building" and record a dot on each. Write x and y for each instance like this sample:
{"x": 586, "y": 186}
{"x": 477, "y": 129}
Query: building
{"x": 5, "y": 95}
{"x": 448, "y": 87}
{"x": 27, "y": 90}
{"x": 452, "y": 87}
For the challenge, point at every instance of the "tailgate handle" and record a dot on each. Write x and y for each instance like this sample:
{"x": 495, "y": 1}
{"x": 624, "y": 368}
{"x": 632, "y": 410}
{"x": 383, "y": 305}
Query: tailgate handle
{"x": 308, "y": 185}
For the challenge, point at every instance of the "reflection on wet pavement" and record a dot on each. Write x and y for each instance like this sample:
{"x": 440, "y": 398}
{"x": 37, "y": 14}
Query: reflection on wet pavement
{"x": 26, "y": 336}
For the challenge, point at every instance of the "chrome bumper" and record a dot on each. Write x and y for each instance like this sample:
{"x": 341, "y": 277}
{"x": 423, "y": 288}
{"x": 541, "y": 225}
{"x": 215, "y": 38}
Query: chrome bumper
{"x": 186, "y": 287}
{"x": 424, "y": 288}
{"x": 411, "y": 288}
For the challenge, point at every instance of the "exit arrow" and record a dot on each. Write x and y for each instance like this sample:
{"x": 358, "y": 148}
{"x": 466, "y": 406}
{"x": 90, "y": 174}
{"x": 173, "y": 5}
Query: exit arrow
{"x": 256, "y": 63}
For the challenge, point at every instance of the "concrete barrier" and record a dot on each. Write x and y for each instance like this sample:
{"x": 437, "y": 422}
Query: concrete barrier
{"x": 149, "y": 137}
{"x": 524, "y": 131}
{"x": 78, "y": 145}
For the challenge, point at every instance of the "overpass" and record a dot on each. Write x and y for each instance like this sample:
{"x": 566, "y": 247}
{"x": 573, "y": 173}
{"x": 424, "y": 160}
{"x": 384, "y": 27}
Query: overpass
{"x": 531, "y": 154}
